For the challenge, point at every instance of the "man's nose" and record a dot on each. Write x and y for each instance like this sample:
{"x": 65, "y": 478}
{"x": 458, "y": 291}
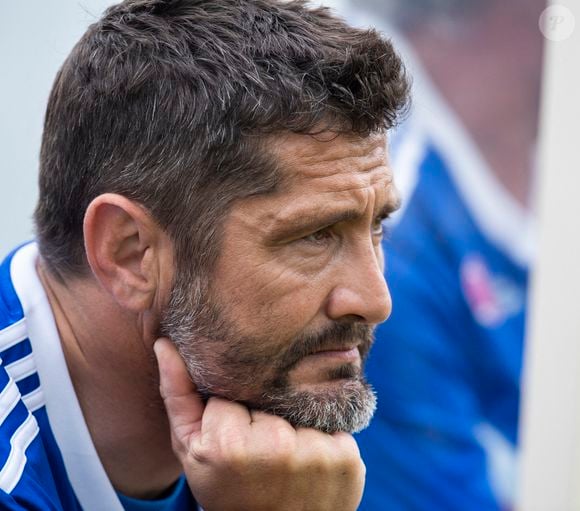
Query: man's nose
{"x": 361, "y": 291}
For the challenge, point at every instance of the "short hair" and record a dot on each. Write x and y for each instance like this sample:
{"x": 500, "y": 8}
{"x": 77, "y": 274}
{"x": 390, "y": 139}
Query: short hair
{"x": 171, "y": 103}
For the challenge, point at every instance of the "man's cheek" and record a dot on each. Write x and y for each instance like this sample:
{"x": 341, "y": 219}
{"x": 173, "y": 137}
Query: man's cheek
{"x": 284, "y": 306}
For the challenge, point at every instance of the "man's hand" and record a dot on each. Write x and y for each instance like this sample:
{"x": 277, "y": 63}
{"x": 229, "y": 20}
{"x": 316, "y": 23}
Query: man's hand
{"x": 240, "y": 459}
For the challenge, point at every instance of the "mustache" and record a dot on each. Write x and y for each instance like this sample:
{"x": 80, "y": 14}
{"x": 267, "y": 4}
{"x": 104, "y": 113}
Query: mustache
{"x": 335, "y": 336}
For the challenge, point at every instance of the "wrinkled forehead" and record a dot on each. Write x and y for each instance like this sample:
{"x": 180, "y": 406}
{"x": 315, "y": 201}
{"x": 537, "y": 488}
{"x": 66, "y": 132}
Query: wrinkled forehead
{"x": 330, "y": 177}
{"x": 329, "y": 166}
{"x": 341, "y": 157}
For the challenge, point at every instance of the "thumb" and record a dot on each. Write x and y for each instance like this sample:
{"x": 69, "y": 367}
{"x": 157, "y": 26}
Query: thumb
{"x": 183, "y": 403}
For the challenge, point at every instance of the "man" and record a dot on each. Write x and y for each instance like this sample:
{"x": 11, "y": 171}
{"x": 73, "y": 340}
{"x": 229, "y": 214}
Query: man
{"x": 214, "y": 173}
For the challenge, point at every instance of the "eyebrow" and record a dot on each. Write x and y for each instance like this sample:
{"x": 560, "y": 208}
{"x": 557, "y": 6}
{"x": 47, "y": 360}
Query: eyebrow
{"x": 301, "y": 222}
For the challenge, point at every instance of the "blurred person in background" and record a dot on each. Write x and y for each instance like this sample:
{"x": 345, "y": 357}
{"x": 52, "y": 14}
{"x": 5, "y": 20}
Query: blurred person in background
{"x": 447, "y": 364}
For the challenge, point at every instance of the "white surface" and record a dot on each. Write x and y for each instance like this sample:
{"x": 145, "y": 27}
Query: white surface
{"x": 550, "y": 431}
{"x": 35, "y": 38}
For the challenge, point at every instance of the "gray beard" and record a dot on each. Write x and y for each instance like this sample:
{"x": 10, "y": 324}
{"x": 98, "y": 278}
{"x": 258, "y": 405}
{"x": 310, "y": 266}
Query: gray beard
{"x": 349, "y": 409}
{"x": 221, "y": 362}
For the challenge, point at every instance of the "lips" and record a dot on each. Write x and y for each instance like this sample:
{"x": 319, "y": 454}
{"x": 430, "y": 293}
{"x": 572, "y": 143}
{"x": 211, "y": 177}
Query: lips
{"x": 345, "y": 354}
{"x": 336, "y": 349}
{"x": 339, "y": 338}
{"x": 321, "y": 366}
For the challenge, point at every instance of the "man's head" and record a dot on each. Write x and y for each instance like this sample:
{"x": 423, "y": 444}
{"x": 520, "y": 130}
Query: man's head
{"x": 298, "y": 286}
{"x": 216, "y": 118}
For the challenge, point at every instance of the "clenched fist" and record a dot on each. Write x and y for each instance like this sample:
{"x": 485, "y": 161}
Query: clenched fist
{"x": 240, "y": 459}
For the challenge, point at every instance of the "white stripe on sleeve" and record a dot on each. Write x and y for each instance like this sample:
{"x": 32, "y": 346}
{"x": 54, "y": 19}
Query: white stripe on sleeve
{"x": 21, "y": 368}
{"x": 13, "y": 334}
{"x": 12, "y": 470}
{"x": 34, "y": 400}
{"x": 8, "y": 400}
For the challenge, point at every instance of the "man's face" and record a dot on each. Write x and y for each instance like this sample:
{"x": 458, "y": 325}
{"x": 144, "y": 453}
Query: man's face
{"x": 297, "y": 288}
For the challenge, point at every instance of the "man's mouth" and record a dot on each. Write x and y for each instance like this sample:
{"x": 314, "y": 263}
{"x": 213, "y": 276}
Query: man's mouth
{"x": 321, "y": 366}
{"x": 341, "y": 340}
{"x": 344, "y": 355}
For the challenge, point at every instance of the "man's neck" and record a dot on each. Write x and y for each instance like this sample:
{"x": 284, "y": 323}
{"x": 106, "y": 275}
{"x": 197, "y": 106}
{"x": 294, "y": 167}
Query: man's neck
{"x": 112, "y": 368}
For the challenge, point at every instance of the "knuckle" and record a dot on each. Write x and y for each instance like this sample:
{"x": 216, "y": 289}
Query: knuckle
{"x": 346, "y": 441}
{"x": 347, "y": 456}
{"x": 283, "y": 443}
{"x": 348, "y": 448}
{"x": 317, "y": 453}
{"x": 201, "y": 451}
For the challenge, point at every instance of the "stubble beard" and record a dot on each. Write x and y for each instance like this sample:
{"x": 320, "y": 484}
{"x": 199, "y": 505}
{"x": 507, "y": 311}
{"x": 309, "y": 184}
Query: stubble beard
{"x": 221, "y": 362}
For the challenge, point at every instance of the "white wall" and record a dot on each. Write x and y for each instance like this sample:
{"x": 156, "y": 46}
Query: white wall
{"x": 550, "y": 429}
{"x": 35, "y": 37}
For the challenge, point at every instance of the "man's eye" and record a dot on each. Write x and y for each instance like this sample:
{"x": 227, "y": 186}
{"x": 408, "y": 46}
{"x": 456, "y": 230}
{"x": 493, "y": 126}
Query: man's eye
{"x": 317, "y": 237}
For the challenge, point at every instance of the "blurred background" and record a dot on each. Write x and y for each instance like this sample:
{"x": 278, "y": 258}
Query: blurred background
{"x": 35, "y": 38}
{"x": 447, "y": 366}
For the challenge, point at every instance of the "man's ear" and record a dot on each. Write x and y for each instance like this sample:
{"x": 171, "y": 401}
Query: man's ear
{"x": 125, "y": 247}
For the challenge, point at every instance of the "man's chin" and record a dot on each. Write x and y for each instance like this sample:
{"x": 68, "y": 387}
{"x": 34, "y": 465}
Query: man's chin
{"x": 344, "y": 404}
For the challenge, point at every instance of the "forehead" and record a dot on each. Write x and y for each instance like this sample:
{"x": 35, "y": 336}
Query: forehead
{"x": 340, "y": 161}
{"x": 324, "y": 179}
